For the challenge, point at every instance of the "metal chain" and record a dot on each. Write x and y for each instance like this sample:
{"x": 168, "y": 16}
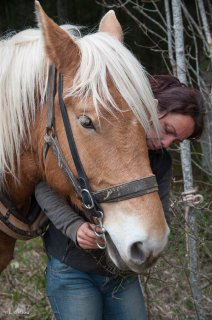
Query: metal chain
{"x": 100, "y": 231}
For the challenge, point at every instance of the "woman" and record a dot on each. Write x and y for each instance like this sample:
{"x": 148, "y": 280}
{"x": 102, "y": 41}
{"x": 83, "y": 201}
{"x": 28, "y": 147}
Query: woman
{"x": 80, "y": 283}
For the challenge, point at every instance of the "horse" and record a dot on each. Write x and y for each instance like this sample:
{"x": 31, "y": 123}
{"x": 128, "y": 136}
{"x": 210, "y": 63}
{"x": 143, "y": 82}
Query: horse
{"x": 109, "y": 104}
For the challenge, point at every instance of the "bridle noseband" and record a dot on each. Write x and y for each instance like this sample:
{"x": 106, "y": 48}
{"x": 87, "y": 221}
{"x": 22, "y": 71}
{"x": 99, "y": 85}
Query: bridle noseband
{"x": 91, "y": 201}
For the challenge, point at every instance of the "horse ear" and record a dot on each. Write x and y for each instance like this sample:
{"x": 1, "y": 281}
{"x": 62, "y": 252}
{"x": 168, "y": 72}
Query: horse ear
{"x": 61, "y": 49}
{"x": 110, "y": 24}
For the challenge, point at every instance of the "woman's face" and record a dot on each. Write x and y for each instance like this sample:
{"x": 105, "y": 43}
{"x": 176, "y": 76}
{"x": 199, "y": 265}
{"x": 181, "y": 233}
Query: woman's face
{"x": 174, "y": 128}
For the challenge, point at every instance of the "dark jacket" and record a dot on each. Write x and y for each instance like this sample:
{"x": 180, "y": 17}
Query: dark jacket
{"x": 60, "y": 238}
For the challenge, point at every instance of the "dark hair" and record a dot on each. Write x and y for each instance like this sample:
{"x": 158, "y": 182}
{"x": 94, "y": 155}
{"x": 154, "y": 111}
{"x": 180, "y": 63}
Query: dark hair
{"x": 175, "y": 97}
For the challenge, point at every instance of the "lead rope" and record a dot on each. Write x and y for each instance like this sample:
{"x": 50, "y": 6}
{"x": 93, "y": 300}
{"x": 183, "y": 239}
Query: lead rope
{"x": 191, "y": 198}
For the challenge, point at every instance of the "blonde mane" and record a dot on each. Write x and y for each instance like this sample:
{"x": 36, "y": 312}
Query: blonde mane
{"x": 23, "y": 81}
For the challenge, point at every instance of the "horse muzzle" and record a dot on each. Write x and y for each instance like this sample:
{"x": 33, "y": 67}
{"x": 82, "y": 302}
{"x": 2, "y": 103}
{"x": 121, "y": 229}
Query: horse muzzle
{"x": 134, "y": 251}
{"x": 137, "y": 259}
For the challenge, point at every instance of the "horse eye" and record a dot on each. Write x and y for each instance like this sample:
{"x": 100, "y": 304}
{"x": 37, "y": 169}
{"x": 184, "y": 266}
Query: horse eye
{"x": 86, "y": 122}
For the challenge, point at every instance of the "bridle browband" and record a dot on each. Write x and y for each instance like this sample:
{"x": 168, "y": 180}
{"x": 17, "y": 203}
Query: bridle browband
{"x": 91, "y": 201}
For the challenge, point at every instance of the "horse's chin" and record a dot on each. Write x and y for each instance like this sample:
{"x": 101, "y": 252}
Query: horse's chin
{"x": 127, "y": 266}
{"x": 115, "y": 257}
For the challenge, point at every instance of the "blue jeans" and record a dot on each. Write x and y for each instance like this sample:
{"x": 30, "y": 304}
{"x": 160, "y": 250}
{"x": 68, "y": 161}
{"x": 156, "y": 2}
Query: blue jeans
{"x": 76, "y": 295}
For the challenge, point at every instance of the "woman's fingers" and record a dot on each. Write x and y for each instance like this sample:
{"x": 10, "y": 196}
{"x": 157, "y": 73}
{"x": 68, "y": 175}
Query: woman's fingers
{"x": 86, "y": 237}
{"x": 86, "y": 244}
{"x": 85, "y": 231}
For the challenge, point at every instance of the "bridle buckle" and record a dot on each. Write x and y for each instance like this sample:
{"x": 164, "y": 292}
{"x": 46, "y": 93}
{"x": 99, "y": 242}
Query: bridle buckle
{"x": 86, "y": 198}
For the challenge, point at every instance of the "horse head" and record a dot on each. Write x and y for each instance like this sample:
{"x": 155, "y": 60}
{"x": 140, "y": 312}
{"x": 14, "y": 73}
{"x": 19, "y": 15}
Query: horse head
{"x": 106, "y": 110}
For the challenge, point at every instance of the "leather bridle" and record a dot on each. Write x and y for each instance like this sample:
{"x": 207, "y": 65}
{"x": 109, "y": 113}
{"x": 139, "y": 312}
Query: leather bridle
{"x": 91, "y": 201}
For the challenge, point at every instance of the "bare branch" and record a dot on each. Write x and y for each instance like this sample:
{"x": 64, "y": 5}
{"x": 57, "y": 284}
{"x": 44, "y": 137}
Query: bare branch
{"x": 205, "y": 25}
{"x": 169, "y": 35}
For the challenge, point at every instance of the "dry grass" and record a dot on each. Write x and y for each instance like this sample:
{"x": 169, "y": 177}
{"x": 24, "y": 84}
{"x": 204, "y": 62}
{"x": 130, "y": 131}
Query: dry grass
{"x": 23, "y": 284}
{"x": 167, "y": 285}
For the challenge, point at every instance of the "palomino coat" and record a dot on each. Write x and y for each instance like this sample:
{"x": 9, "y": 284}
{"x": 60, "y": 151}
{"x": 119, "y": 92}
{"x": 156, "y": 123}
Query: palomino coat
{"x": 60, "y": 238}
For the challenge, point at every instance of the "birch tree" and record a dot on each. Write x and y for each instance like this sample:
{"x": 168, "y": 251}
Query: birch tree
{"x": 186, "y": 167}
{"x": 207, "y": 137}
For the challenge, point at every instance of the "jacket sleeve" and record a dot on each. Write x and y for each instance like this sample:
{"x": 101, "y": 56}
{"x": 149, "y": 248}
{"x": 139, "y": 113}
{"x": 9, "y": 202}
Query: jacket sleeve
{"x": 59, "y": 212}
{"x": 164, "y": 185}
{"x": 161, "y": 164}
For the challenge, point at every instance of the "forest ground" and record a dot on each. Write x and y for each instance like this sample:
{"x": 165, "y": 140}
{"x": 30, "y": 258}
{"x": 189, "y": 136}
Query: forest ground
{"x": 166, "y": 286}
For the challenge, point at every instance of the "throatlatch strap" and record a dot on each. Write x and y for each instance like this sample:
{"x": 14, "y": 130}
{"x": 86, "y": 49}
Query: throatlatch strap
{"x": 50, "y": 121}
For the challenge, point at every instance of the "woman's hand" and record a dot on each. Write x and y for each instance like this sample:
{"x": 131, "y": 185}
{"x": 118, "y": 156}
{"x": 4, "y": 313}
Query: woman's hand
{"x": 86, "y": 237}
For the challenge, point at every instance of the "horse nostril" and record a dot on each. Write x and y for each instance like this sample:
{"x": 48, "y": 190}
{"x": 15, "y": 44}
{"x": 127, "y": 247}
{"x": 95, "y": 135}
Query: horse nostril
{"x": 137, "y": 253}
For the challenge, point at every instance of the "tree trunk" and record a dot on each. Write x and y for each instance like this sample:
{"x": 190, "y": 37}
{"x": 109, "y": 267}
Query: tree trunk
{"x": 186, "y": 167}
{"x": 207, "y": 136}
{"x": 169, "y": 36}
